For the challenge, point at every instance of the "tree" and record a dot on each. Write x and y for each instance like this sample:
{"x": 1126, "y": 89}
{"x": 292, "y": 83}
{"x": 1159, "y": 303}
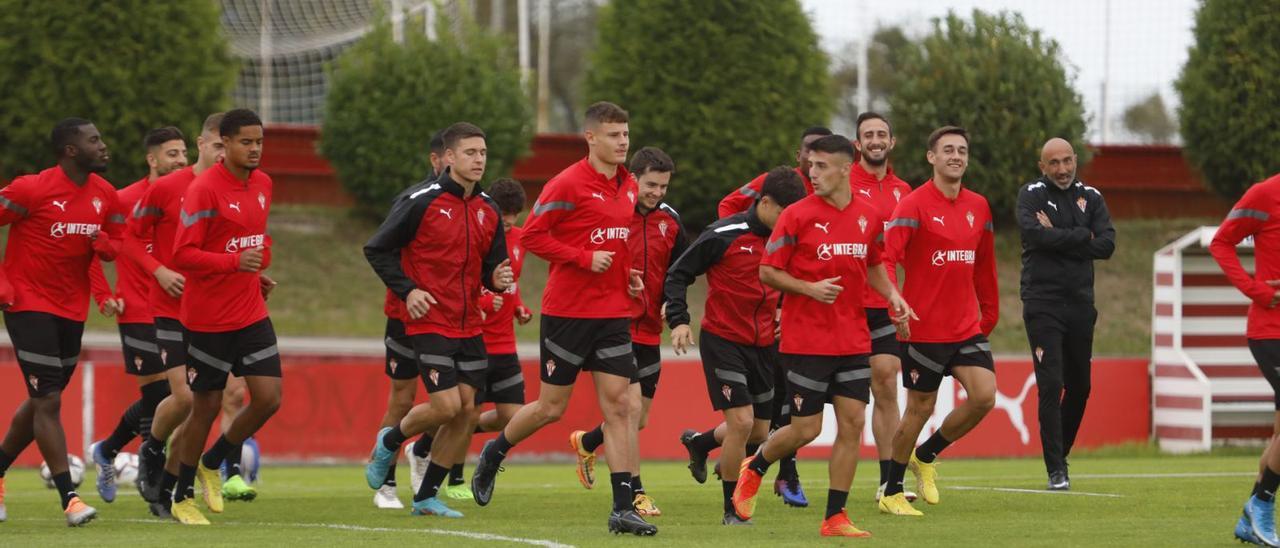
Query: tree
{"x": 999, "y": 79}
{"x": 127, "y": 65}
{"x": 1150, "y": 119}
{"x": 386, "y": 100}
{"x": 1230, "y": 87}
{"x": 724, "y": 86}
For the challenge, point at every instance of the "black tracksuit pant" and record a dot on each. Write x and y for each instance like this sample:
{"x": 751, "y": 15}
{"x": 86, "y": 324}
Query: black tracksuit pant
{"x": 1061, "y": 337}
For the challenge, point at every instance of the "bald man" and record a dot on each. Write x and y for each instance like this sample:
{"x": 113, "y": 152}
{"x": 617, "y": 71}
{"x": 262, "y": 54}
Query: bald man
{"x": 1065, "y": 227}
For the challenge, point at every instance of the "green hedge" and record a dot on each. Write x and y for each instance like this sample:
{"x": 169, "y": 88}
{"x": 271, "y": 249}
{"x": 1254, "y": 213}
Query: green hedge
{"x": 386, "y": 100}
{"x": 724, "y": 86}
{"x": 128, "y": 65}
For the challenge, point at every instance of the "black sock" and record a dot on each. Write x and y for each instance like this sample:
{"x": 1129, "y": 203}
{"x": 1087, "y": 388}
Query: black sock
{"x": 391, "y": 475}
{"x": 593, "y": 439}
{"x": 752, "y": 448}
{"x": 1253, "y": 493}
{"x": 5, "y": 462}
{"x": 431, "y": 481}
{"x": 125, "y": 430}
{"x": 836, "y": 501}
{"x": 422, "y": 447}
{"x": 455, "y": 475}
{"x": 636, "y": 486}
{"x": 213, "y": 458}
{"x": 787, "y": 468}
{"x": 186, "y": 486}
{"x": 728, "y": 487}
{"x": 167, "y": 483}
{"x": 151, "y": 446}
{"x": 760, "y": 465}
{"x": 233, "y": 459}
{"x": 394, "y": 439}
{"x": 928, "y": 451}
{"x": 65, "y": 488}
{"x": 501, "y": 447}
{"x": 897, "y": 471}
{"x": 884, "y": 471}
{"x": 705, "y": 441}
{"x": 1267, "y": 486}
{"x": 622, "y": 495}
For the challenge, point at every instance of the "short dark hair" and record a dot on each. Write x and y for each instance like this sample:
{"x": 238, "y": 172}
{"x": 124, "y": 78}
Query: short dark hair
{"x": 869, "y": 115}
{"x": 947, "y": 130}
{"x": 459, "y": 131}
{"x": 651, "y": 159}
{"x": 212, "y": 123}
{"x": 605, "y": 112}
{"x": 64, "y": 132}
{"x": 235, "y": 119}
{"x": 820, "y": 131}
{"x": 509, "y": 194}
{"x": 436, "y": 144}
{"x": 783, "y": 185}
{"x": 160, "y": 136}
{"x": 833, "y": 144}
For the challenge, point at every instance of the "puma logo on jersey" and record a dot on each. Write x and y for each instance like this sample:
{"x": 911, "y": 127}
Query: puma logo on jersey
{"x": 864, "y": 192}
{"x": 235, "y": 206}
{"x": 747, "y": 248}
{"x": 1053, "y": 205}
{"x": 823, "y": 226}
{"x": 61, "y": 205}
{"x": 940, "y": 220}
{"x": 598, "y": 196}
{"x": 447, "y": 213}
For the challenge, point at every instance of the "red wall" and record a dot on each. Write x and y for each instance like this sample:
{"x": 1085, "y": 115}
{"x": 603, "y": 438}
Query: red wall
{"x": 332, "y": 408}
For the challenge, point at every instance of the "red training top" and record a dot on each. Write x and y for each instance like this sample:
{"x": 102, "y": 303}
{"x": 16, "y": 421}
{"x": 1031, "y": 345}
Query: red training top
{"x": 1257, "y": 214}
{"x": 133, "y": 283}
{"x": 581, "y": 211}
{"x": 499, "y": 331}
{"x": 739, "y": 200}
{"x": 884, "y": 195}
{"x": 814, "y": 241}
{"x": 657, "y": 240}
{"x": 153, "y": 229}
{"x": 947, "y": 248}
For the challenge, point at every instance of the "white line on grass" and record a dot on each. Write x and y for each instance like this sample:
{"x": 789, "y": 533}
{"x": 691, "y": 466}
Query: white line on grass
{"x": 1169, "y": 475}
{"x": 1032, "y": 491}
{"x": 361, "y": 528}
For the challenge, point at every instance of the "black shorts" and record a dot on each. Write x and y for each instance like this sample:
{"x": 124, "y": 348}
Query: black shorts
{"x": 400, "y": 363}
{"x": 570, "y": 345}
{"x": 47, "y": 348}
{"x": 171, "y": 337}
{"x": 648, "y": 367}
{"x": 505, "y": 381}
{"x": 812, "y": 381}
{"x": 738, "y": 375}
{"x": 141, "y": 353}
{"x": 884, "y": 335}
{"x": 250, "y": 351}
{"x": 924, "y": 364}
{"x": 443, "y": 362}
{"x": 1267, "y": 353}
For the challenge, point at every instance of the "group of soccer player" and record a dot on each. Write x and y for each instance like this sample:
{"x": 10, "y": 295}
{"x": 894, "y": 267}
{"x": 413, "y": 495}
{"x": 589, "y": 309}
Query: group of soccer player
{"x": 190, "y": 300}
{"x": 780, "y": 338}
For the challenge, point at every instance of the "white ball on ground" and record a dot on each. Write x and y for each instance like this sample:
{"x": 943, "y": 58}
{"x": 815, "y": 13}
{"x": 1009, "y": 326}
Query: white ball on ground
{"x": 75, "y": 466}
{"x": 126, "y": 468}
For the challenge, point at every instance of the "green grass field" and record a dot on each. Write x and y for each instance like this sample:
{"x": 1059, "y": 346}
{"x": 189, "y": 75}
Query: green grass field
{"x": 1120, "y": 497}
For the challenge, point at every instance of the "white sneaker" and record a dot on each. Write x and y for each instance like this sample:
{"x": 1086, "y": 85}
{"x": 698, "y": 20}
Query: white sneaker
{"x": 386, "y": 498}
{"x": 911, "y": 497}
{"x": 417, "y": 467}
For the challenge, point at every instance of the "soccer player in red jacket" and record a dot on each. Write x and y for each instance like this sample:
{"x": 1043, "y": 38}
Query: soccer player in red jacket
{"x": 737, "y": 342}
{"x": 61, "y": 219}
{"x": 821, "y": 245}
{"x": 746, "y": 195}
{"x": 166, "y": 153}
{"x": 872, "y": 179}
{"x": 657, "y": 240}
{"x": 943, "y": 237}
{"x": 580, "y": 224}
{"x": 221, "y": 247}
{"x": 436, "y": 249}
{"x": 1257, "y": 215}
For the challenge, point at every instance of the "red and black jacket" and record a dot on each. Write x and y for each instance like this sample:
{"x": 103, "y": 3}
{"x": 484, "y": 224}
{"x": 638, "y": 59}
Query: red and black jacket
{"x": 740, "y": 308}
{"x": 445, "y": 243}
{"x": 656, "y": 241}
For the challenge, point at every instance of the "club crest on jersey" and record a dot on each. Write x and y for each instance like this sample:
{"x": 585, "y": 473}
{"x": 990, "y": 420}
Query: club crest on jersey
{"x": 434, "y": 376}
{"x": 515, "y": 253}
{"x": 968, "y": 216}
{"x": 191, "y": 375}
{"x": 480, "y": 216}
{"x": 862, "y": 223}
{"x": 137, "y": 363}
{"x": 727, "y": 391}
{"x": 1081, "y": 203}
{"x": 798, "y": 400}
{"x": 662, "y": 228}
{"x": 1039, "y": 353}
{"x": 551, "y": 367}
{"x": 35, "y": 382}
{"x": 262, "y": 200}
{"x": 97, "y": 205}
{"x": 150, "y": 248}
{"x": 897, "y": 195}
{"x": 631, "y": 196}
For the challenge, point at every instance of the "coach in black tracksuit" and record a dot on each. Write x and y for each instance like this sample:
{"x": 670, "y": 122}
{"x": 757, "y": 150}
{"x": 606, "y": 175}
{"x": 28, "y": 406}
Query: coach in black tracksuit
{"x": 1065, "y": 226}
